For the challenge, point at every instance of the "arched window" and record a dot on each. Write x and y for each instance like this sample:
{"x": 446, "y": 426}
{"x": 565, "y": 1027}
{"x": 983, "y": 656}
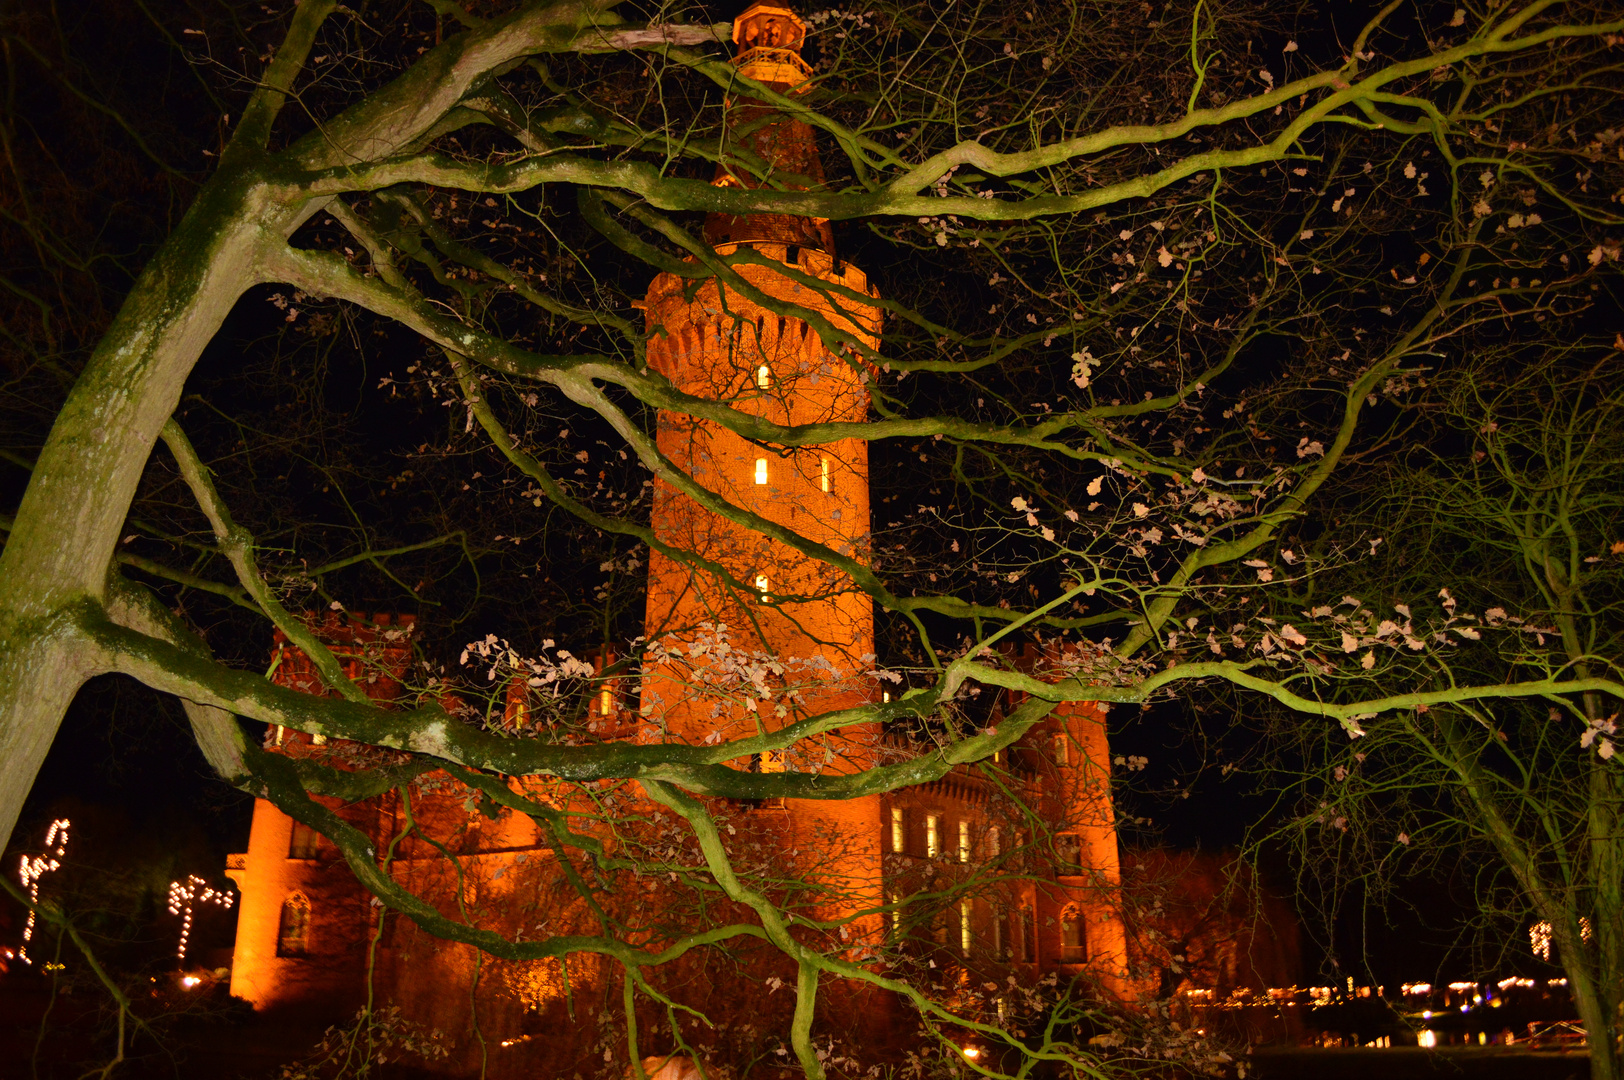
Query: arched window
{"x": 1068, "y": 848}
{"x": 1073, "y": 941}
{"x": 293, "y": 932}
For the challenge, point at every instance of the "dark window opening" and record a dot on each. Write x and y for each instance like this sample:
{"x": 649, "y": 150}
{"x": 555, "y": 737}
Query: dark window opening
{"x": 293, "y": 932}
{"x": 302, "y": 844}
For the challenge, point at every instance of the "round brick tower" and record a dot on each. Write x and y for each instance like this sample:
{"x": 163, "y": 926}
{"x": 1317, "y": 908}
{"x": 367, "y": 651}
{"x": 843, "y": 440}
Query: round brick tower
{"x": 762, "y": 633}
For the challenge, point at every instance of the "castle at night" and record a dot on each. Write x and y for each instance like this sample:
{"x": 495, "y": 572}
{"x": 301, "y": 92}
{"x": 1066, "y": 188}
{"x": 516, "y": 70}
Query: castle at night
{"x": 747, "y": 629}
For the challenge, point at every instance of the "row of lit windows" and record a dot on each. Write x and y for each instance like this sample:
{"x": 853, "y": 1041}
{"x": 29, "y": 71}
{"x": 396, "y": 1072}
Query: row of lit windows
{"x": 1022, "y": 946}
{"x": 1068, "y": 846}
{"x": 934, "y": 835}
{"x": 823, "y": 472}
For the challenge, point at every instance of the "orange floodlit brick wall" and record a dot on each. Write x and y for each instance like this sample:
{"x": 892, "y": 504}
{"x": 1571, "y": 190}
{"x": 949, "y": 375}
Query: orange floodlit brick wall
{"x": 302, "y": 921}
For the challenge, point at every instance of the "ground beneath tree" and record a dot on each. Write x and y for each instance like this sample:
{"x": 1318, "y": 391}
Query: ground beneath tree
{"x": 218, "y": 1041}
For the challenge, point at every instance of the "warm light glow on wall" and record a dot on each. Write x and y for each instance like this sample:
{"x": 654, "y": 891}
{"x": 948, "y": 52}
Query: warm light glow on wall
{"x": 183, "y": 897}
{"x": 31, "y": 870}
{"x": 761, "y": 470}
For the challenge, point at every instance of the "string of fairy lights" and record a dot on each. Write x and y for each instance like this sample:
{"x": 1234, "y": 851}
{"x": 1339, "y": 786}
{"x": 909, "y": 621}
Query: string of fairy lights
{"x": 1539, "y": 936}
{"x": 183, "y": 896}
{"x": 35, "y": 867}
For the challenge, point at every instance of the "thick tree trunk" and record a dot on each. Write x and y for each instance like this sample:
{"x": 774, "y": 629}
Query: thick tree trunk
{"x": 1601, "y": 1031}
{"x": 74, "y": 510}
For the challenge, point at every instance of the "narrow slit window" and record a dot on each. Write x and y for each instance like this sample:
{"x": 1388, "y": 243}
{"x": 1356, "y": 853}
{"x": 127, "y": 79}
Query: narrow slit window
{"x": 896, "y": 912}
{"x": 898, "y": 833}
{"x": 823, "y": 473}
{"x": 964, "y": 841}
{"x": 761, "y": 470}
{"x": 933, "y": 835}
{"x": 1062, "y": 749}
{"x": 764, "y": 377}
{"x": 964, "y": 927}
{"x": 762, "y": 585}
{"x": 606, "y": 702}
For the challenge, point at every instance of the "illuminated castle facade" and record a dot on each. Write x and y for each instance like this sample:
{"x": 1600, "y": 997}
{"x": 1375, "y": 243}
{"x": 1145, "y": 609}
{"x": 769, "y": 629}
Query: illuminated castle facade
{"x": 749, "y": 633}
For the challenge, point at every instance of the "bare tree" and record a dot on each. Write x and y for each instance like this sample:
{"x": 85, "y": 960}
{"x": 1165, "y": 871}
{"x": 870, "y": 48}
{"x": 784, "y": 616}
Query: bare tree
{"x": 1151, "y": 286}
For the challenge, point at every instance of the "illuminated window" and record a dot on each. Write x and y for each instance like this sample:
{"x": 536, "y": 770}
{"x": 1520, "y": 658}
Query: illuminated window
{"x": 1026, "y": 945}
{"x": 302, "y": 844}
{"x": 933, "y": 835}
{"x": 964, "y": 841}
{"x": 293, "y": 931}
{"x": 823, "y": 473}
{"x": 764, "y": 377}
{"x": 1073, "y": 943}
{"x": 761, "y": 470}
{"x": 898, "y": 832}
{"x": 762, "y": 585}
{"x": 606, "y": 702}
{"x": 896, "y": 912}
{"x": 964, "y": 927}
{"x": 885, "y": 697}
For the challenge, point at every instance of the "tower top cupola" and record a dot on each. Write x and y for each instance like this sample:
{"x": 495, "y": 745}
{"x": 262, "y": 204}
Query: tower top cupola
{"x": 769, "y": 38}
